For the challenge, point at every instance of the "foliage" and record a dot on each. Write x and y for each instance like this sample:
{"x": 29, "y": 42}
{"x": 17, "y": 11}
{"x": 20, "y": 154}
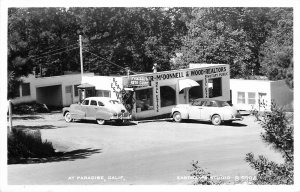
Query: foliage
{"x": 279, "y": 133}
{"x": 244, "y": 38}
{"x": 44, "y": 40}
{"x": 254, "y": 41}
{"x": 29, "y": 108}
{"x": 277, "y": 51}
{"x": 202, "y": 176}
{"x": 23, "y": 145}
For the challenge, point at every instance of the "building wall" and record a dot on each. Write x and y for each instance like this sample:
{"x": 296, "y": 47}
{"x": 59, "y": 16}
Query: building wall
{"x": 107, "y": 83}
{"x": 282, "y": 95}
{"x": 252, "y": 86}
{"x": 63, "y": 81}
{"x": 172, "y": 78}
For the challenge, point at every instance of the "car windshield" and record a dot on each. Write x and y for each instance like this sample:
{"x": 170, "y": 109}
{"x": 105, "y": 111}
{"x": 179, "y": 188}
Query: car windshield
{"x": 114, "y": 102}
{"x": 222, "y": 103}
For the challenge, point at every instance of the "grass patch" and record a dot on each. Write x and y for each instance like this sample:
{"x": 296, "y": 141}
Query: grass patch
{"x": 24, "y": 144}
{"x": 29, "y": 108}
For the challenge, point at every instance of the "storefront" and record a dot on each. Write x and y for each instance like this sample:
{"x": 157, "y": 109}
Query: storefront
{"x": 154, "y": 94}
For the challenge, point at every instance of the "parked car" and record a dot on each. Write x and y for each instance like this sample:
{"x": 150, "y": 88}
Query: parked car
{"x": 101, "y": 109}
{"x": 214, "y": 111}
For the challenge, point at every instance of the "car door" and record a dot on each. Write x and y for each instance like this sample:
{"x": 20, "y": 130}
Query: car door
{"x": 208, "y": 109}
{"x": 83, "y": 107}
{"x": 195, "y": 110}
{"x": 91, "y": 109}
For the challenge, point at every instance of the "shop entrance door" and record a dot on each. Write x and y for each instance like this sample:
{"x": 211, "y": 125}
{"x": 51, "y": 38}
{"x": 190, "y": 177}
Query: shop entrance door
{"x": 262, "y": 101}
{"x": 69, "y": 95}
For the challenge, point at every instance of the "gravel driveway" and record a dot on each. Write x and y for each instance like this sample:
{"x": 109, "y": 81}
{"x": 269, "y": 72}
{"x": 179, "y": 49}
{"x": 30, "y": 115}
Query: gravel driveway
{"x": 148, "y": 152}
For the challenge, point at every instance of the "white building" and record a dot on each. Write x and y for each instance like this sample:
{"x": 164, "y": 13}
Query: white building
{"x": 52, "y": 91}
{"x": 258, "y": 94}
{"x": 156, "y": 93}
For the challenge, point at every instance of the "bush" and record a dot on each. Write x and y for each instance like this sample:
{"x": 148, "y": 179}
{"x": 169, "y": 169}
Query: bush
{"x": 279, "y": 133}
{"x": 29, "y": 108}
{"x": 27, "y": 144}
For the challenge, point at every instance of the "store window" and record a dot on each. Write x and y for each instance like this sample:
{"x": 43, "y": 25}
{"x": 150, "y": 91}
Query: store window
{"x": 167, "y": 96}
{"x": 68, "y": 89}
{"x": 241, "y": 98}
{"x": 76, "y": 90}
{"x": 196, "y": 92}
{"x": 25, "y": 89}
{"x": 215, "y": 87}
{"x": 144, "y": 100}
{"x": 102, "y": 93}
{"x": 251, "y": 98}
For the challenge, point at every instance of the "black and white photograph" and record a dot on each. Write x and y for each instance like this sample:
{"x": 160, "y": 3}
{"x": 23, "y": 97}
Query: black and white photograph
{"x": 127, "y": 95}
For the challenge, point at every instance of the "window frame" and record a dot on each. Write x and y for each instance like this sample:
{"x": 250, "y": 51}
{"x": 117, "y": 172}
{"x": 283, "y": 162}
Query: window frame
{"x": 244, "y": 98}
{"x": 22, "y": 89}
{"x": 251, "y": 98}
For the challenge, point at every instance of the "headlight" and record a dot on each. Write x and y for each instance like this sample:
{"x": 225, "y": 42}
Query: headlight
{"x": 115, "y": 114}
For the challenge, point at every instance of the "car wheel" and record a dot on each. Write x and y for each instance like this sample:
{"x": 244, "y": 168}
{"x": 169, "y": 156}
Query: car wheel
{"x": 216, "y": 120}
{"x": 177, "y": 116}
{"x": 101, "y": 121}
{"x": 68, "y": 117}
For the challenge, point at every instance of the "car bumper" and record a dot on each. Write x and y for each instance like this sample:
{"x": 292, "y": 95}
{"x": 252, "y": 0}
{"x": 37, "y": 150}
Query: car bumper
{"x": 121, "y": 117}
{"x": 236, "y": 119}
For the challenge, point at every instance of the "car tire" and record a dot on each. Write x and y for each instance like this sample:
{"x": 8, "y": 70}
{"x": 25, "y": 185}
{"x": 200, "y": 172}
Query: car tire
{"x": 216, "y": 120}
{"x": 177, "y": 117}
{"x": 101, "y": 121}
{"x": 68, "y": 117}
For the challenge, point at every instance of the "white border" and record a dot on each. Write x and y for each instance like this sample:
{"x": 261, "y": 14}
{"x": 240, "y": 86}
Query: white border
{"x": 140, "y": 3}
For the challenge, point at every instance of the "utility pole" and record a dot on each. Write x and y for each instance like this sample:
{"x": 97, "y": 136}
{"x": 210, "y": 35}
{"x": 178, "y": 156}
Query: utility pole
{"x": 81, "y": 59}
{"x": 9, "y": 116}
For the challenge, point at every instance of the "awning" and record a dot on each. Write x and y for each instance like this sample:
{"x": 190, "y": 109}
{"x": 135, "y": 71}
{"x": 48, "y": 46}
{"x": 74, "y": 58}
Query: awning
{"x": 185, "y": 83}
{"x": 85, "y": 85}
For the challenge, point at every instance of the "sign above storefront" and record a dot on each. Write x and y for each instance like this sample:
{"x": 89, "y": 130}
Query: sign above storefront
{"x": 141, "y": 81}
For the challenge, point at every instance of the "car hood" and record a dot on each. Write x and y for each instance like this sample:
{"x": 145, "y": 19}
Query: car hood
{"x": 183, "y": 105}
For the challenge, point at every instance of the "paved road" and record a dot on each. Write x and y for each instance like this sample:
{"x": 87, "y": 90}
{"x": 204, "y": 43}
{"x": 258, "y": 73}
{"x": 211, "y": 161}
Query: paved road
{"x": 145, "y": 153}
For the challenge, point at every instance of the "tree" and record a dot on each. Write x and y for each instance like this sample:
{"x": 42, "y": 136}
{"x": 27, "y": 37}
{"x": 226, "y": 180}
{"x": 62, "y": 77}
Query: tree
{"x": 279, "y": 133}
{"x": 226, "y": 35}
{"x": 277, "y": 51}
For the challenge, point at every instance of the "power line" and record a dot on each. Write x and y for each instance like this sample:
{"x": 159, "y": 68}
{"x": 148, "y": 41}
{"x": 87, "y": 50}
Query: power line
{"x": 56, "y": 53}
{"x": 108, "y": 61}
{"x": 52, "y": 51}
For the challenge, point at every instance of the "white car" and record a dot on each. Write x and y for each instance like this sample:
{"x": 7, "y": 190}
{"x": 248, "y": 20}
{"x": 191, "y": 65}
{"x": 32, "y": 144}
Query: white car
{"x": 214, "y": 111}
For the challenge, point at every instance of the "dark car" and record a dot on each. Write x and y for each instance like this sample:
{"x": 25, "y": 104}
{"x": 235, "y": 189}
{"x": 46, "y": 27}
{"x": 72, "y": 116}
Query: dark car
{"x": 101, "y": 109}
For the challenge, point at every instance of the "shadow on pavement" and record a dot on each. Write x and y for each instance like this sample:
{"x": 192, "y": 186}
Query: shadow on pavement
{"x": 61, "y": 156}
{"x": 233, "y": 124}
{"x": 73, "y": 155}
{"x": 111, "y": 123}
{"x": 36, "y": 127}
{"x": 27, "y": 117}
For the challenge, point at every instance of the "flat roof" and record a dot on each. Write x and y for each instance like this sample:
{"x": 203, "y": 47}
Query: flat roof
{"x": 201, "y": 66}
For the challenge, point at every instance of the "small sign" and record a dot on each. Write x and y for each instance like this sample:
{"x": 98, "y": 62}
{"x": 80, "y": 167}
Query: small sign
{"x": 139, "y": 81}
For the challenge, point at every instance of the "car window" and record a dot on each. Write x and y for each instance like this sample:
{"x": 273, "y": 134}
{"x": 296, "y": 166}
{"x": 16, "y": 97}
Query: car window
{"x": 197, "y": 103}
{"x": 85, "y": 102}
{"x": 100, "y": 103}
{"x": 214, "y": 104}
{"x": 210, "y": 104}
{"x": 114, "y": 102}
{"x": 93, "y": 102}
{"x": 223, "y": 103}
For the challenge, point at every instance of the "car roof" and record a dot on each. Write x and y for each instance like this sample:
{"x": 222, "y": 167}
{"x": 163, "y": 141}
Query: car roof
{"x": 100, "y": 98}
{"x": 207, "y": 99}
